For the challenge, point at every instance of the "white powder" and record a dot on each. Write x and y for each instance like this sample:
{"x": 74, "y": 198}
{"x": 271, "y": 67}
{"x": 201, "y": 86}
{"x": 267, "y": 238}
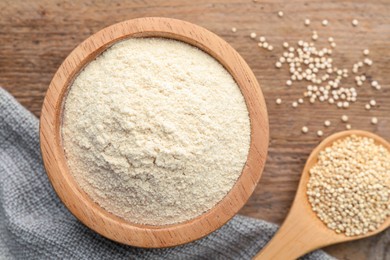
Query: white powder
{"x": 155, "y": 131}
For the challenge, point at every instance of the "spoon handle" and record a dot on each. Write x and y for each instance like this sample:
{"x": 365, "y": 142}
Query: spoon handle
{"x": 297, "y": 236}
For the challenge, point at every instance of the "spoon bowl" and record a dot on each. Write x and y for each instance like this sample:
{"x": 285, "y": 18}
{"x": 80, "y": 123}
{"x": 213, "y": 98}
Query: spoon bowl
{"x": 302, "y": 231}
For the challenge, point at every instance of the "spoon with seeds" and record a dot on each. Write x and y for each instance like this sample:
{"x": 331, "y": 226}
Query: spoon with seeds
{"x": 302, "y": 230}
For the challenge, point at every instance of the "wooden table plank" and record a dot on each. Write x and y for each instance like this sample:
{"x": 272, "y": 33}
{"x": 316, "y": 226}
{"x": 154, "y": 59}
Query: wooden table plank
{"x": 35, "y": 37}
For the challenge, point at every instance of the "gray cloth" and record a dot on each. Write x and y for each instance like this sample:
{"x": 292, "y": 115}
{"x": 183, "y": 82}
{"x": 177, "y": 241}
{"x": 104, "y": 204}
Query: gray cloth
{"x": 34, "y": 224}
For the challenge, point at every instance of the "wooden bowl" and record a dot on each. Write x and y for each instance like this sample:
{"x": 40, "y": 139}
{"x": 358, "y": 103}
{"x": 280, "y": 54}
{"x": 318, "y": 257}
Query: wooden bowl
{"x": 90, "y": 213}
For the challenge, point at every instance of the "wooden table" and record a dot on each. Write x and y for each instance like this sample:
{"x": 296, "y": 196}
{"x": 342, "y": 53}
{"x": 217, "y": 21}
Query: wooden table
{"x": 35, "y": 37}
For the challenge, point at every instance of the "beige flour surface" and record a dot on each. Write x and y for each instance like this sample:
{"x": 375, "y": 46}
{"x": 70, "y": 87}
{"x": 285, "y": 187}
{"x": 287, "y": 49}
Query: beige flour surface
{"x": 155, "y": 131}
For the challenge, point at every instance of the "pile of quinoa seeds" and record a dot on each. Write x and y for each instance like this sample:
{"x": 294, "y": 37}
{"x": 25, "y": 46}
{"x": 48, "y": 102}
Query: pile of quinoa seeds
{"x": 349, "y": 187}
{"x": 325, "y": 82}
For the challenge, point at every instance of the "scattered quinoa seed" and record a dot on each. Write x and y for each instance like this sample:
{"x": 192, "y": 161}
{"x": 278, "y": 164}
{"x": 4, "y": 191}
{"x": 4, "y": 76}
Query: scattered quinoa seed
{"x": 280, "y": 14}
{"x": 294, "y": 104}
{"x": 253, "y": 35}
{"x": 355, "y": 22}
{"x": 278, "y": 101}
{"x": 327, "y": 123}
{"x": 320, "y": 133}
{"x": 372, "y": 102}
{"x": 308, "y": 63}
{"x": 374, "y": 120}
{"x": 368, "y": 62}
{"x": 348, "y": 126}
{"x": 305, "y": 129}
{"x": 234, "y": 29}
{"x": 344, "y": 118}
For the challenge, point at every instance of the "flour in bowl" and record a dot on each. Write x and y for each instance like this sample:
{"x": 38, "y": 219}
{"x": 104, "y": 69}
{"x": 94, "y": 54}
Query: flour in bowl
{"x": 155, "y": 131}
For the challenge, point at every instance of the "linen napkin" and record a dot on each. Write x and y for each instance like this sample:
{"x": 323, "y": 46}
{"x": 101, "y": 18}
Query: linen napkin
{"x": 34, "y": 224}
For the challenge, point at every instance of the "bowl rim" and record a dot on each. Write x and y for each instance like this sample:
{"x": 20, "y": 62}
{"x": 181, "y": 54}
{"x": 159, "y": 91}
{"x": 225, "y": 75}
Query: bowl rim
{"x": 90, "y": 213}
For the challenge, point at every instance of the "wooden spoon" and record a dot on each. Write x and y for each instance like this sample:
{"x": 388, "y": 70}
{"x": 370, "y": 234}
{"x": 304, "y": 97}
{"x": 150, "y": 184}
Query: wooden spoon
{"x": 302, "y": 231}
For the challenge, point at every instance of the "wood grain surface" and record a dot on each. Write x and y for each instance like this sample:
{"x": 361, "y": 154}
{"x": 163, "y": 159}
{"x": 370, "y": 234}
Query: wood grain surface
{"x": 36, "y": 36}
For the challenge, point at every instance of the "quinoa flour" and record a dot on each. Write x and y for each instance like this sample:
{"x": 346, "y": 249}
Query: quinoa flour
{"x": 155, "y": 131}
